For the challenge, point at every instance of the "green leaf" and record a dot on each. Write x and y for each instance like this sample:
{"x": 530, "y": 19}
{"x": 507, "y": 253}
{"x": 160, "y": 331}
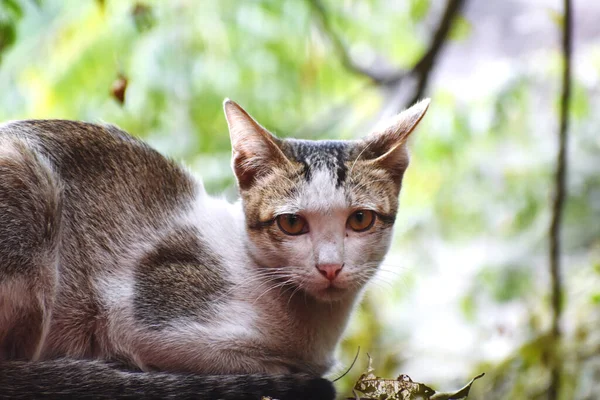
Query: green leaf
{"x": 418, "y": 10}
{"x": 13, "y": 8}
{"x": 557, "y": 17}
{"x": 580, "y": 105}
{"x": 468, "y": 306}
{"x": 458, "y": 394}
{"x": 7, "y": 35}
{"x": 461, "y": 29}
{"x": 507, "y": 283}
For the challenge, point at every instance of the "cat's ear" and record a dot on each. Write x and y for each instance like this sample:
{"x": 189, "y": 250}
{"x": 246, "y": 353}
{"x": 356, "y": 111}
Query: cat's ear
{"x": 255, "y": 149}
{"x": 386, "y": 145}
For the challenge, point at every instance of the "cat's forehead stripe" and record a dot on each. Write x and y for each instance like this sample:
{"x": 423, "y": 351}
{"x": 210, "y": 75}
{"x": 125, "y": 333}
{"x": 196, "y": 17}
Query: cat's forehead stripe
{"x": 329, "y": 155}
{"x": 320, "y": 194}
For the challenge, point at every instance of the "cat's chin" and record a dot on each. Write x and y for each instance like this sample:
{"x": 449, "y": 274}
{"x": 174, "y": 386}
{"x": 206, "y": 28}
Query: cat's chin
{"x": 331, "y": 294}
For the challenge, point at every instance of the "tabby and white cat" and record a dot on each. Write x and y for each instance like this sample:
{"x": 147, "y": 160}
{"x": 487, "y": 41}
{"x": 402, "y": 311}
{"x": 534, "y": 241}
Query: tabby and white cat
{"x": 121, "y": 278}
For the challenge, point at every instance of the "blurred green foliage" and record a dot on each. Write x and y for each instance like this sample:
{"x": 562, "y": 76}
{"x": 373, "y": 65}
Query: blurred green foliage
{"x": 10, "y": 13}
{"x": 471, "y": 233}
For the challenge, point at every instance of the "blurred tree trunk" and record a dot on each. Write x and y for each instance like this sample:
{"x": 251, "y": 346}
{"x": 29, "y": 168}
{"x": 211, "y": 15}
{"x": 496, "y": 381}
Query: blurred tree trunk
{"x": 560, "y": 194}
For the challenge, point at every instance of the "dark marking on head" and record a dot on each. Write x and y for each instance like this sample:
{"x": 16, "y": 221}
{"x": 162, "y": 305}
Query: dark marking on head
{"x": 260, "y": 225}
{"x": 180, "y": 277}
{"x": 323, "y": 154}
{"x": 387, "y": 219}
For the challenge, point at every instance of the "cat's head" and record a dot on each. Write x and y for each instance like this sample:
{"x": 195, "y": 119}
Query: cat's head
{"x": 319, "y": 214}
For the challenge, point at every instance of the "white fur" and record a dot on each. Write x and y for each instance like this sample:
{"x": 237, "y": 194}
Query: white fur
{"x": 187, "y": 342}
{"x": 222, "y": 225}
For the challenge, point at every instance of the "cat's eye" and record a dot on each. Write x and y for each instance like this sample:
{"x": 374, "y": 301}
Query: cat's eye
{"x": 292, "y": 224}
{"x": 361, "y": 220}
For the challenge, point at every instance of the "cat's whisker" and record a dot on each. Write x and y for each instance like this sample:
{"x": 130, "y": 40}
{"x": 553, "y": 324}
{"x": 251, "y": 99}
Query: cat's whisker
{"x": 370, "y": 183}
{"x": 267, "y": 290}
{"x": 281, "y": 175}
{"x": 278, "y": 277}
{"x": 286, "y": 286}
{"x": 298, "y": 287}
{"x": 392, "y": 268}
{"x": 381, "y": 283}
{"x": 278, "y": 285}
{"x": 265, "y": 279}
{"x": 273, "y": 282}
{"x": 396, "y": 266}
{"x": 396, "y": 274}
{"x": 262, "y": 275}
{"x": 357, "y": 157}
{"x": 287, "y": 289}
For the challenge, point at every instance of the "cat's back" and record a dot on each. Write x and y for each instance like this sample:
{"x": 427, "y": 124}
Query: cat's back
{"x": 104, "y": 159}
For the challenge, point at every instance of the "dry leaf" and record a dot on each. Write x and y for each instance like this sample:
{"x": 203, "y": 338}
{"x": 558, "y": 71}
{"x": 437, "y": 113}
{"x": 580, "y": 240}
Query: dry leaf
{"x": 118, "y": 88}
{"x": 402, "y": 388}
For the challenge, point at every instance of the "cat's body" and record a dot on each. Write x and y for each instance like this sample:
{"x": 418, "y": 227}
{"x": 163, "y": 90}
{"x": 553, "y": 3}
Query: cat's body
{"x": 109, "y": 251}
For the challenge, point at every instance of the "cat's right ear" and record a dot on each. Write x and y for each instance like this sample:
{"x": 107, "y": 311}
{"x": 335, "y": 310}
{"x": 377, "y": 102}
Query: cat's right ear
{"x": 387, "y": 143}
{"x": 255, "y": 150}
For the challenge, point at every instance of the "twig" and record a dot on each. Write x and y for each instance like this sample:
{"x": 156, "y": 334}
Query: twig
{"x": 560, "y": 193}
{"x": 424, "y": 66}
{"x": 378, "y": 77}
{"x": 351, "y": 365}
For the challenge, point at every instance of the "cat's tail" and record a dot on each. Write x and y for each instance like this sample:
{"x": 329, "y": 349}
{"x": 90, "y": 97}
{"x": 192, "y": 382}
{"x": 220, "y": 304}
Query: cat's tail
{"x": 83, "y": 379}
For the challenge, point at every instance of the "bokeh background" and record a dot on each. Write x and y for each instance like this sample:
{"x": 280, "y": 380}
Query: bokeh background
{"x": 466, "y": 288}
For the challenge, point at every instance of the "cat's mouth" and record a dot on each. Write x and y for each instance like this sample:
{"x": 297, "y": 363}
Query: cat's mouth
{"x": 331, "y": 292}
{"x": 333, "y": 289}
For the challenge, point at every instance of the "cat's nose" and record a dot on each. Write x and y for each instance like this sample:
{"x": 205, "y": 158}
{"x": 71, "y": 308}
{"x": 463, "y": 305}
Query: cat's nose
{"x": 330, "y": 271}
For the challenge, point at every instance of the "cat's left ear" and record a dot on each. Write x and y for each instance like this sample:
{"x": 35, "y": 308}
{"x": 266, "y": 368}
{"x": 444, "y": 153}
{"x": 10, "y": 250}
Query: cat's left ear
{"x": 255, "y": 150}
{"x": 387, "y": 143}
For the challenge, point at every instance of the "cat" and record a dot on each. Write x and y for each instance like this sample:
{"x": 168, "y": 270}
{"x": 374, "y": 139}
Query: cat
{"x": 120, "y": 277}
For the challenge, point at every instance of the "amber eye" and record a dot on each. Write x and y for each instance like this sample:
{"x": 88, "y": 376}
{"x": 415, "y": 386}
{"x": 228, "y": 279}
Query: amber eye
{"x": 361, "y": 220}
{"x": 292, "y": 224}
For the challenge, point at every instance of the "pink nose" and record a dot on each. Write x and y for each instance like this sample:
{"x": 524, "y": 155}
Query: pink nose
{"x": 330, "y": 271}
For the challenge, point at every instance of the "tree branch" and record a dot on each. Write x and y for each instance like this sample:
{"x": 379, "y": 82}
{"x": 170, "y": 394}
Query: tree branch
{"x": 560, "y": 194}
{"x": 391, "y": 78}
{"x": 424, "y": 66}
{"x": 377, "y": 76}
